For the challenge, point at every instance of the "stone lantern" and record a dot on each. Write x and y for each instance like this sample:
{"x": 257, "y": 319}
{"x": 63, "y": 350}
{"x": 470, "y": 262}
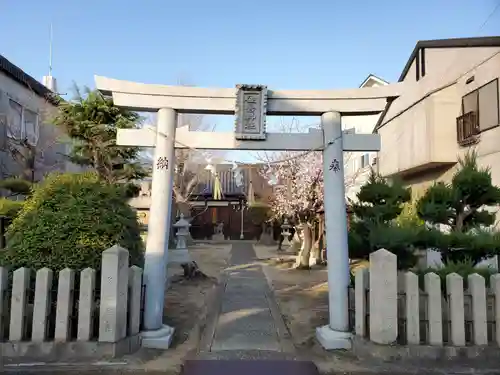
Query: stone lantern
{"x": 285, "y": 232}
{"x": 180, "y": 254}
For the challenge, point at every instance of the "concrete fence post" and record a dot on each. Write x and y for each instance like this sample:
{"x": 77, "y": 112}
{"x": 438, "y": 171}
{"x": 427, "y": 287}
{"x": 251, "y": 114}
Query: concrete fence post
{"x": 360, "y": 300}
{"x": 64, "y": 308}
{"x": 135, "y": 298}
{"x": 86, "y": 305}
{"x": 432, "y": 286}
{"x": 20, "y": 285}
{"x": 41, "y": 307}
{"x": 412, "y": 293}
{"x": 477, "y": 287}
{"x": 4, "y": 284}
{"x": 495, "y": 287}
{"x": 455, "y": 289}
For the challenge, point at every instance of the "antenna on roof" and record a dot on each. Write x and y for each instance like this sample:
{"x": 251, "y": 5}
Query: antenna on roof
{"x": 49, "y": 81}
{"x": 50, "y": 50}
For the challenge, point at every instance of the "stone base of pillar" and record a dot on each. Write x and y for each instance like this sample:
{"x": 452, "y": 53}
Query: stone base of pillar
{"x": 218, "y": 237}
{"x": 159, "y": 339}
{"x": 330, "y": 339}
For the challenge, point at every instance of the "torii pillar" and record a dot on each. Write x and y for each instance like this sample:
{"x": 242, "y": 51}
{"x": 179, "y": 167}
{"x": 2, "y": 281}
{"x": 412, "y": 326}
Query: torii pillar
{"x": 336, "y": 334}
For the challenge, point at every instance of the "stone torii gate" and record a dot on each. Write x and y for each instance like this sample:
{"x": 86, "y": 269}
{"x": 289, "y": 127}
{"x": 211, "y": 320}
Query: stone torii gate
{"x": 250, "y": 104}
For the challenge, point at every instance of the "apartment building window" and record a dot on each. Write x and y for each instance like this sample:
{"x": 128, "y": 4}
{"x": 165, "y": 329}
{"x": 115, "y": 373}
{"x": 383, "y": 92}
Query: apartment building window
{"x": 22, "y": 123}
{"x": 15, "y": 124}
{"x": 480, "y": 112}
{"x": 30, "y": 122}
{"x": 365, "y": 160}
{"x": 488, "y": 105}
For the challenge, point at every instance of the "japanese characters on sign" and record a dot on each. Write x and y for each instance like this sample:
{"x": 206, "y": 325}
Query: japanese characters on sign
{"x": 162, "y": 163}
{"x": 335, "y": 166}
{"x": 250, "y": 112}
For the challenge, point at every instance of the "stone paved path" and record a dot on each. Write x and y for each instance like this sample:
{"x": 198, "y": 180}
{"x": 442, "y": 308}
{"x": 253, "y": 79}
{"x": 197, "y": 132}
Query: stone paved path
{"x": 248, "y": 318}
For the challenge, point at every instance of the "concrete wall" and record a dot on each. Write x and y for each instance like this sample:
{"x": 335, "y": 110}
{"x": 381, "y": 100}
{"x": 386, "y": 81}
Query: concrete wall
{"x": 438, "y": 60}
{"x": 50, "y": 143}
{"x": 421, "y": 137}
{"x": 357, "y": 174}
{"x": 419, "y": 140}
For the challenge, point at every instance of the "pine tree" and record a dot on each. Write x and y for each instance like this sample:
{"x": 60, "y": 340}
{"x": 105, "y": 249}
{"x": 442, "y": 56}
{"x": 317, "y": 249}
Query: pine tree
{"x": 373, "y": 225}
{"x": 92, "y": 121}
{"x": 462, "y": 208}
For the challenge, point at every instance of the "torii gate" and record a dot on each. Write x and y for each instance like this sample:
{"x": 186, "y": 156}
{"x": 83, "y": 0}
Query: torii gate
{"x": 250, "y": 104}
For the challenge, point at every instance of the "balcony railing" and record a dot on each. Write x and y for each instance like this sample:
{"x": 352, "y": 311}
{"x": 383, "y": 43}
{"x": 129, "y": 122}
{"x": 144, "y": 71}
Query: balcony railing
{"x": 468, "y": 129}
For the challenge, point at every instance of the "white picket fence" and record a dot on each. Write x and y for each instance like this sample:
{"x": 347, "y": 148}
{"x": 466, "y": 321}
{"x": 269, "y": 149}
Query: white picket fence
{"x": 391, "y": 307}
{"x": 33, "y": 310}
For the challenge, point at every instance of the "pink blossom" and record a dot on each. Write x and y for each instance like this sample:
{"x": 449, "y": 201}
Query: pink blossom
{"x": 299, "y": 191}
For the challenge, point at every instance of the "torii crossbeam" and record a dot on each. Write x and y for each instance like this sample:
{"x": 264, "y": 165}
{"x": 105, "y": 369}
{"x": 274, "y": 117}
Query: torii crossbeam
{"x": 250, "y": 104}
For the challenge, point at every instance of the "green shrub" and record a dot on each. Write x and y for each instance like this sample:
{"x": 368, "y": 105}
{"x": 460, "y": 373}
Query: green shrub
{"x": 68, "y": 221}
{"x": 401, "y": 241}
{"x": 10, "y": 208}
{"x": 17, "y": 185}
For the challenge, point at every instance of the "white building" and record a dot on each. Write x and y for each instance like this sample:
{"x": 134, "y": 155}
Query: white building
{"x": 26, "y": 107}
{"x": 357, "y": 164}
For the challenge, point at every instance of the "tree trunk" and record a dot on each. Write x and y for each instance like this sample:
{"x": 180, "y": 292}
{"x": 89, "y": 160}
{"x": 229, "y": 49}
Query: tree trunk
{"x": 313, "y": 253}
{"x": 317, "y": 252}
{"x": 296, "y": 241}
{"x": 192, "y": 271}
{"x": 302, "y": 261}
{"x": 184, "y": 208}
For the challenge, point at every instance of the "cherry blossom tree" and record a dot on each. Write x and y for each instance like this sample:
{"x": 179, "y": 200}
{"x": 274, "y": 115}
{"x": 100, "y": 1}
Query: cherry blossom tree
{"x": 298, "y": 190}
{"x": 298, "y": 196}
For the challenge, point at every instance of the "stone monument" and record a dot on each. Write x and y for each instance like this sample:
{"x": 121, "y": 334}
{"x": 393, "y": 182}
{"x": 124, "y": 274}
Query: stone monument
{"x": 266, "y": 238}
{"x": 219, "y": 232}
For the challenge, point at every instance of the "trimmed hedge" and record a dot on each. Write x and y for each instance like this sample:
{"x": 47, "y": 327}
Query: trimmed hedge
{"x": 69, "y": 220}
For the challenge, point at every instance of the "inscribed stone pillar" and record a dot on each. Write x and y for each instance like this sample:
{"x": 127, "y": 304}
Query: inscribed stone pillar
{"x": 383, "y": 297}
{"x": 114, "y": 295}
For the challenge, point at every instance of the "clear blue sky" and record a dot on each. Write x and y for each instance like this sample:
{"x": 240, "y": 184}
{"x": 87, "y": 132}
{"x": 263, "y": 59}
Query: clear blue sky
{"x": 313, "y": 44}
